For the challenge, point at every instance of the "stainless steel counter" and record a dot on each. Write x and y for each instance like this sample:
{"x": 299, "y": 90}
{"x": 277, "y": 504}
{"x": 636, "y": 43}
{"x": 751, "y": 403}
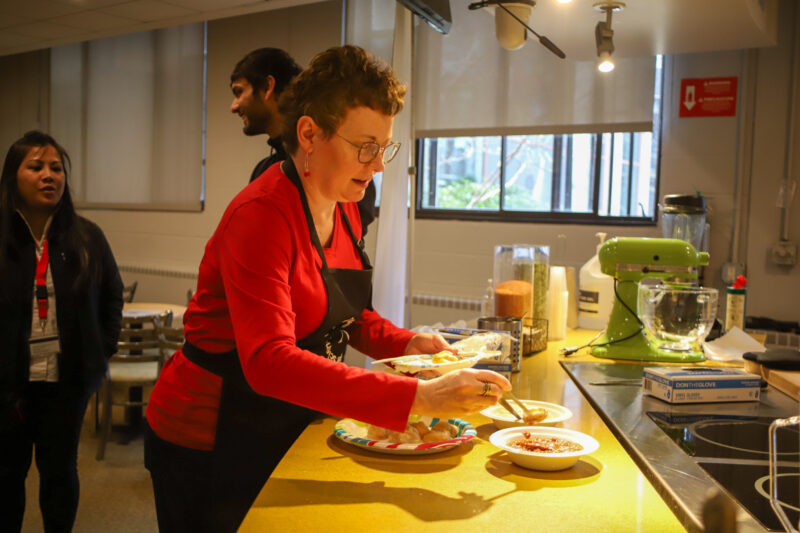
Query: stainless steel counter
{"x": 681, "y": 482}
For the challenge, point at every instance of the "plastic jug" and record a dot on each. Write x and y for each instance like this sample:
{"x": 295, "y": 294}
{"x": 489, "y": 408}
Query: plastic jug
{"x": 595, "y": 293}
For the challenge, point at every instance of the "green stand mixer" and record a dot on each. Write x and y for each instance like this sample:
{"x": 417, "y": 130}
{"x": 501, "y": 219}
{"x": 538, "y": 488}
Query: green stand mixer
{"x": 630, "y": 260}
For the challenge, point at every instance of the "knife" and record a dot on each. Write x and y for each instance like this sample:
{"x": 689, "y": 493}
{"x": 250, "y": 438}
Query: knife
{"x": 617, "y": 382}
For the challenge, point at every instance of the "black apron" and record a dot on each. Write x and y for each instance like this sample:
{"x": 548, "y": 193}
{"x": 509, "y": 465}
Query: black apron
{"x": 254, "y": 431}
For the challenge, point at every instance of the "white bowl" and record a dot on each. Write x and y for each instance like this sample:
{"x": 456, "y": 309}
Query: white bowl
{"x": 503, "y": 419}
{"x": 541, "y": 460}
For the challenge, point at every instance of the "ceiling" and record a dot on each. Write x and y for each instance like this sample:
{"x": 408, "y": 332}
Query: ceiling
{"x": 643, "y": 27}
{"x": 27, "y": 25}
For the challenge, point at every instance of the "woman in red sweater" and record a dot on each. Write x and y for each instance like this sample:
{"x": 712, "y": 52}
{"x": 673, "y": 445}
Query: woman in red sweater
{"x": 283, "y": 287}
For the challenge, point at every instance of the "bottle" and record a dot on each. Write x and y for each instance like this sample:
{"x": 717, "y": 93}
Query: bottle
{"x": 487, "y": 303}
{"x": 735, "y": 304}
{"x": 595, "y": 293}
{"x": 558, "y": 300}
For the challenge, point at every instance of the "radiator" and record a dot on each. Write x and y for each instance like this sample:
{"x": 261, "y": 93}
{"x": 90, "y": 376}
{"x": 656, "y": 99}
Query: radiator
{"x": 431, "y": 300}
{"x": 153, "y": 271}
{"x": 450, "y": 302}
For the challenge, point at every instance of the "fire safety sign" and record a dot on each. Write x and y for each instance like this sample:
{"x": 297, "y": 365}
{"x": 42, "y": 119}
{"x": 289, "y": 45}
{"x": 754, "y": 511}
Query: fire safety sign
{"x": 708, "y": 97}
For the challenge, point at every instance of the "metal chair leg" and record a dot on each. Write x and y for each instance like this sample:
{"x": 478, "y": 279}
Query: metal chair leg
{"x": 105, "y": 429}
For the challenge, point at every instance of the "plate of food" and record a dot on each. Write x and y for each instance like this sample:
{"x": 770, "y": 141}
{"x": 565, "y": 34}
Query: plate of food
{"x": 442, "y": 362}
{"x": 543, "y": 414}
{"x": 423, "y": 435}
{"x": 544, "y": 448}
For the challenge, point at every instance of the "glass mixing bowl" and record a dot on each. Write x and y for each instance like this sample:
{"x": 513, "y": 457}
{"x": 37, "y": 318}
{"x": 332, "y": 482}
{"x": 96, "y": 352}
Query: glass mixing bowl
{"x": 677, "y": 318}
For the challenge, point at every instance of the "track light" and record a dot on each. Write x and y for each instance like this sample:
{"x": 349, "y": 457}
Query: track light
{"x": 604, "y": 35}
{"x": 510, "y": 35}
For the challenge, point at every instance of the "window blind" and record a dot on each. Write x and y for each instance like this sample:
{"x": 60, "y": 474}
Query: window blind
{"x": 129, "y": 110}
{"x": 467, "y": 84}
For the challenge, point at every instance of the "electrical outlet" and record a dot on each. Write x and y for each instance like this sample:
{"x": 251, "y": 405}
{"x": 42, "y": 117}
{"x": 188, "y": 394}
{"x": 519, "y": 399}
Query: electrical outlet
{"x": 784, "y": 253}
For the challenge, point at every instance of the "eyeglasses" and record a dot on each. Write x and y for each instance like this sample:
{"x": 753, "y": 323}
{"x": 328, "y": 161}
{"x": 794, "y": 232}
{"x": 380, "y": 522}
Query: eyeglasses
{"x": 369, "y": 150}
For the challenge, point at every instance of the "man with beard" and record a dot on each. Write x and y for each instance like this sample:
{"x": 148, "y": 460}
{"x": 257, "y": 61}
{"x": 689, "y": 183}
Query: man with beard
{"x": 257, "y": 81}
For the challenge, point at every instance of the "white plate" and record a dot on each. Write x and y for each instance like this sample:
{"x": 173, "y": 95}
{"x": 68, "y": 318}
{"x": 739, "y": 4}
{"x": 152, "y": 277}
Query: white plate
{"x": 355, "y": 432}
{"x": 414, "y": 364}
{"x": 503, "y": 419}
{"x": 542, "y": 460}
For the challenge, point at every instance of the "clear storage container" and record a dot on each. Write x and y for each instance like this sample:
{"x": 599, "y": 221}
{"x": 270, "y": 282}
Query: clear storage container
{"x": 521, "y": 279}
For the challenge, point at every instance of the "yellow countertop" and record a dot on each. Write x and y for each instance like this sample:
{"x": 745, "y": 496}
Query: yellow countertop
{"x": 324, "y": 484}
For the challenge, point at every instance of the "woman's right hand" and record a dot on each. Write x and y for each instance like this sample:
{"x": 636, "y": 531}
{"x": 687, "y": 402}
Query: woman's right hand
{"x": 459, "y": 393}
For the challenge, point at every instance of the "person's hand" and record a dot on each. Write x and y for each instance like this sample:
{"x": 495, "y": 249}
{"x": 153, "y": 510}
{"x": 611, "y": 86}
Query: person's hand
{"x": 422, "y": 343}
{"x": 459, "y": 393}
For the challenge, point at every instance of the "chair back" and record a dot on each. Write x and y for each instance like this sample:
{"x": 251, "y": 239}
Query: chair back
{"x": 139, "y": 339}
{"x": 170, "y": 340}
{"x": 128, "y": 291}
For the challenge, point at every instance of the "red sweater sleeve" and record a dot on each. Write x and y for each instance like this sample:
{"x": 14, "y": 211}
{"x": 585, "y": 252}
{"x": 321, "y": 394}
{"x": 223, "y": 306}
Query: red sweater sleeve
{"x": 374, "y": 335}
{"x": 263, "y": 261}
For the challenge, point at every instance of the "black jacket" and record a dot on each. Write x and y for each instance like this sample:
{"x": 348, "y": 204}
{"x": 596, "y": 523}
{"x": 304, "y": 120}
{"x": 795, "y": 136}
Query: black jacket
{"x": 278, "y": 154}
{"x": 88, "y": 317}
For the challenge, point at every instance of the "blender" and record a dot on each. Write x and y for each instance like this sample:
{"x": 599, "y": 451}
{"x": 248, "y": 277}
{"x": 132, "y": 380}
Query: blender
{"x": 684, "y": 217}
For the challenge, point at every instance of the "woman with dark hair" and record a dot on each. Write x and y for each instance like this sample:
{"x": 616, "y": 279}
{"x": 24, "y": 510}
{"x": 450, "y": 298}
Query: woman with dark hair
{"x": 60, "y": 313}
{"x": 283, "y": 287}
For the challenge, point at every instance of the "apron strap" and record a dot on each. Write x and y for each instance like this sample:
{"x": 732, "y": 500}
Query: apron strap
{"x": 220, "y": 364}
{"x": 291, "y": 172}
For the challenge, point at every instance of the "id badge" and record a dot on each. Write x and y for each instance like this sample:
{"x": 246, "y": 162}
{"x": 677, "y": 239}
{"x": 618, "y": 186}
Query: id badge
{"x": 45, "y": 346}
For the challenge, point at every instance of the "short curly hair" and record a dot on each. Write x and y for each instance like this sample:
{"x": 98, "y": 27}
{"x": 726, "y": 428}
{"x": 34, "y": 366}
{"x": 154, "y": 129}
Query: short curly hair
{"x": 337, "y": 80}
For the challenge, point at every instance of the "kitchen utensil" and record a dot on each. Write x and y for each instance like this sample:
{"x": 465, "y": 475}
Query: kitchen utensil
{"x": 503, "y": 419}
{"x": 774, "y": 501}
{"x": 635, "y": 382}
{"x": 510, "y": 396}
{"x": 507, "y": 406}
{"x": 677, "y": 319}
{"x": 543, "y": 460}
{"x": 630, "y": 260}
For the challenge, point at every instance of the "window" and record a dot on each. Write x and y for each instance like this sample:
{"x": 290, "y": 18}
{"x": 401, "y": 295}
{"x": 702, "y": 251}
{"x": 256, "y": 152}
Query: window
{"x": 593, "y": 178}
{"x": 602, "y": 178}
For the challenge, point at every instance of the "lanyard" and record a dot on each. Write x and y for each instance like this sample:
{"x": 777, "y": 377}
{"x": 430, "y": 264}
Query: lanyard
{"x": 41, "y": 286}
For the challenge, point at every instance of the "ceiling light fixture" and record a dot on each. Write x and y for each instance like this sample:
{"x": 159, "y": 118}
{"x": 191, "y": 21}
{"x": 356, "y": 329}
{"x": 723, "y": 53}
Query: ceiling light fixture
{"x": 604, "y": 35}
{"x": 510, "y": 35}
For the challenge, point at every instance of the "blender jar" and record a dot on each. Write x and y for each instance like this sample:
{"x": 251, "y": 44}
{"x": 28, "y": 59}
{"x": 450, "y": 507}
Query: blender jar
{"x": 684, "y": 217}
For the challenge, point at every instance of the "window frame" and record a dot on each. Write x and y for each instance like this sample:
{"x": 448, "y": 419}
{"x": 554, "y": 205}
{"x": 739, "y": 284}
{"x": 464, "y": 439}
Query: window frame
{"x": 548, "y": 217}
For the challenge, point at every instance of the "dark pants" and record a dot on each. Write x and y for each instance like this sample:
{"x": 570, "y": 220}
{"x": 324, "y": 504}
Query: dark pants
{"x": 52, "y": 414}
{"x": 193, "y": 492}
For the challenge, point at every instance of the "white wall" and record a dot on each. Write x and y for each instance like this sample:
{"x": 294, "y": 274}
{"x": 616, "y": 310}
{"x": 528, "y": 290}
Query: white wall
{"x": 455, "y": 258}
{"x": 697, "y": 154}
{"x": 175, "y": 241}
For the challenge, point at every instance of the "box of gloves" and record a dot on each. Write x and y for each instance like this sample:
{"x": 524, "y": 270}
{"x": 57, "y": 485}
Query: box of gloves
{"x": 701, "y": 384}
